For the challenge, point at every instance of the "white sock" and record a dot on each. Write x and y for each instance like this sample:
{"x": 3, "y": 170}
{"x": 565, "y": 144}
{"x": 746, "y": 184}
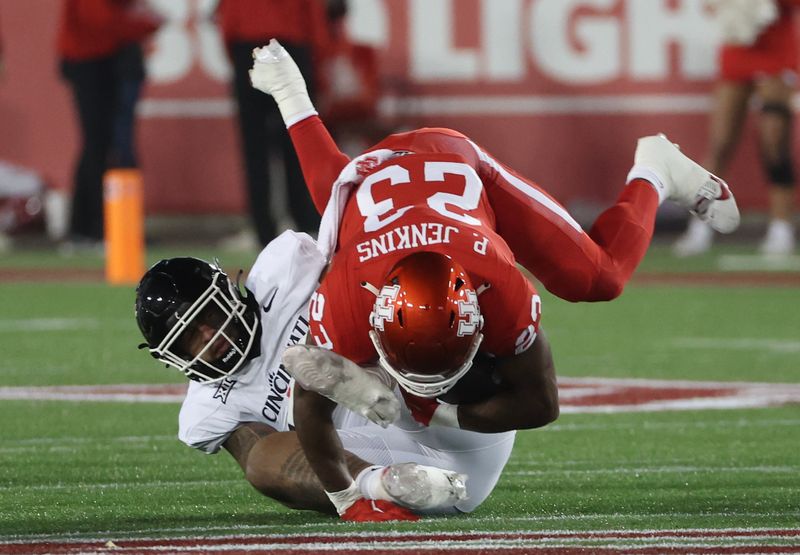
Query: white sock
{"x": 641, "y": 172}
{"x": 369, "y": 482}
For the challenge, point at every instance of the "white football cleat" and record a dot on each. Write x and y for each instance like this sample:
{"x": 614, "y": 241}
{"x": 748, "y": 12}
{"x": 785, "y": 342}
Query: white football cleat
{"x": 779, "y": 240}
{"x": 697, "y": 239}
{"x": 687, "y": 182}
{"x": 342, "y": 381}
{"x": 422, "y": 487}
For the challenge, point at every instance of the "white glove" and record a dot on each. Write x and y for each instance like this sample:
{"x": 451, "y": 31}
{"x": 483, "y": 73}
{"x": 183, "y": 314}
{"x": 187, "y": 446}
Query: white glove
{"x": 275, "y": 73}
{"x": 343, "y": 381}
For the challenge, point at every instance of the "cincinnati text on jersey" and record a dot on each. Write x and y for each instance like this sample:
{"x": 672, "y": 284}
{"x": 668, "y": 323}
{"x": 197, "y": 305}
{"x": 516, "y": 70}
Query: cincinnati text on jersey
{"x": 279, "y": 381}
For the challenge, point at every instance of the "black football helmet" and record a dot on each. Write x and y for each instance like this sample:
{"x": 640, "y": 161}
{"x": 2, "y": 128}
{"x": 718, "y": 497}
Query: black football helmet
{"x": 196, "y": 320}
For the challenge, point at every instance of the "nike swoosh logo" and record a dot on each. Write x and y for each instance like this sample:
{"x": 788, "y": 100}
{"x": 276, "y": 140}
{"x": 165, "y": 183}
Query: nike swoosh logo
{"x": 268, "y": 306}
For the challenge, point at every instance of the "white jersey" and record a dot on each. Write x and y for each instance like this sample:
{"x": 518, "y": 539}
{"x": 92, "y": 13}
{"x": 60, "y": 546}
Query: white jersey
{"x": 283, "y": 278}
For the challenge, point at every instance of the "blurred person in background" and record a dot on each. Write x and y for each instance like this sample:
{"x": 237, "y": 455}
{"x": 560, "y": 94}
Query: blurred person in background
{"x": 131, "y": 75}
{"x": 302, "y": 27}
{"x": 101, "y": 60}
{"x": 21, "y": 193}
{"x": 349, "y": 87}
{"x": 757, "y": 59}
{"x": 5, "y": 242}
{"x": 1, "y": 50}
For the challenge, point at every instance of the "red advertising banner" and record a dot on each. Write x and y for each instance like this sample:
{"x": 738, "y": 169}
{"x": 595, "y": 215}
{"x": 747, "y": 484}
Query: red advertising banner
{"x": 558, "y": 89}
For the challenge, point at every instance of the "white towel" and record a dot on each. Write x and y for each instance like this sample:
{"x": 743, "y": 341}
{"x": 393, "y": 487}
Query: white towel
{"x": 352, "y": 175}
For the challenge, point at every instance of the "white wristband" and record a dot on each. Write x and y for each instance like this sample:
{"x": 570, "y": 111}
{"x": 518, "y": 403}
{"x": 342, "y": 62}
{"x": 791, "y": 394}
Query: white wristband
{"x": 445, "y": 415}
{"x": 343, "y": 499}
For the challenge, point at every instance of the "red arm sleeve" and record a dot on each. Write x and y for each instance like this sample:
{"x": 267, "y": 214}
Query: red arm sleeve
{"x": 320, "y": 158}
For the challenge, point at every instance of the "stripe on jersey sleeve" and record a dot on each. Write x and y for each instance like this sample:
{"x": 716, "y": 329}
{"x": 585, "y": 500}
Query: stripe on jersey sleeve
{"x": 527, "y": 189}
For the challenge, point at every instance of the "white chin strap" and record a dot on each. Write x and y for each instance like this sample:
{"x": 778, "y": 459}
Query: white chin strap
{"x": 425, "y": 385}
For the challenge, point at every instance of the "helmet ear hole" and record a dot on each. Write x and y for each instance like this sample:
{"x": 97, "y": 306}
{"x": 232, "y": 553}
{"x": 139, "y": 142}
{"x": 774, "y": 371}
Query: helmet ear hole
{"x": 459, "y": 284}
{"x": 400, "y": 318}
{"x": 452, "y": 318}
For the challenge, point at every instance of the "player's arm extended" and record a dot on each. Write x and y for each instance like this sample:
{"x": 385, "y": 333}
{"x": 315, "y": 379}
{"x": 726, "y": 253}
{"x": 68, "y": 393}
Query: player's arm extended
{"x": 526, "y": 398}
{"x": 275, "y": 72}
{"x": 275, "y": 465}
{"x": 529, "y": 400}
{"x": 317, "y": 434}
{"x": 335, "y": 467}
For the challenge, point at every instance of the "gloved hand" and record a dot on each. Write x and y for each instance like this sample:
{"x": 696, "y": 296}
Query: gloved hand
{"x": 430, "y": 412}
{"x": 343, "y": 381}
{"x": 275, "y": 73}
{"x": 368, "y": 510}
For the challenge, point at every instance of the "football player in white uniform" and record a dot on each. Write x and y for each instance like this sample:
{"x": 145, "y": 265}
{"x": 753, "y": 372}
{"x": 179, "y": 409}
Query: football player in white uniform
{"x": 229, "y": 340}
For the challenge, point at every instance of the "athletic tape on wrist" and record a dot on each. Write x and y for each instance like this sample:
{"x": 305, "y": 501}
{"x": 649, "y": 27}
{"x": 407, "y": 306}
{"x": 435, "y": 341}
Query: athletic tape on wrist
{"x": 343, "y": 499}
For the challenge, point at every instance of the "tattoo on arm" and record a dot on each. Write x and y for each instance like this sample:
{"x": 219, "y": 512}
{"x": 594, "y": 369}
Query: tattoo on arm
{"x": 241, "y": 441}
{"x": 297, "y": 467}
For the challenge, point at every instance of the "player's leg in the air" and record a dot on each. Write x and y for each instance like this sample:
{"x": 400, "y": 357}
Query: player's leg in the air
{"x": 595, "y": 266}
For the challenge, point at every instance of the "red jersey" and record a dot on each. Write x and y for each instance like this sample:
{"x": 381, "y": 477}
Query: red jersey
{"x": 301, "y": 22}
{"x": 773, "y": 53}
{"x": 438, "y": 191}
{"x": 429, "y": 196}
{"x": 92, "y": 29}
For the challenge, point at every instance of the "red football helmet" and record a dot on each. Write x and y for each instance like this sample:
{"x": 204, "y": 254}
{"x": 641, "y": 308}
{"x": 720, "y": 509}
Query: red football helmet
{"x": 426, "y": 323}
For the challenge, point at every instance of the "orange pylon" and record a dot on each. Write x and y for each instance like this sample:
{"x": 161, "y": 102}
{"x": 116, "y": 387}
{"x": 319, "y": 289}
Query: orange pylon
{"x": 124, "y": 226}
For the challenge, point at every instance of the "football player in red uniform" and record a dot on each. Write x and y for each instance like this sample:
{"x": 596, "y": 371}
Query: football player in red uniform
{"x": 758, "y": 58}
{"x": 424, "y": 232}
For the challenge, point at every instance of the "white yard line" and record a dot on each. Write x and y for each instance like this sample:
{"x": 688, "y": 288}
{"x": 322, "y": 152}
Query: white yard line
{"x": 758, "y": 262}
{"x": 687, "y": 384}
{"x": 184, "y": 484}
{"x": 774, "y": 346}
{"x": 456, "y": 541}
{"x": 141, "y": 393}
{"x": 14, "y": 325}
{"x": 157, "y": 484}
{"x": 658, "y": 470}
{"x": 311, "y": 528}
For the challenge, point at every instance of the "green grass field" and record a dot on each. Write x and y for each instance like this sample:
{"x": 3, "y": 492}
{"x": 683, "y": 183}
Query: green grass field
{"x": 111, "y": 470}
